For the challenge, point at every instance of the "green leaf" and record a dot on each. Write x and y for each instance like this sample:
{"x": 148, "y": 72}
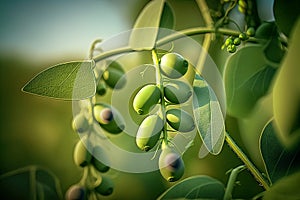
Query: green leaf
{"x": 29, "y": 183}
{"x": 195, "y": 187}
{"x": 286, "y": 188}
{"x": 145, "y": 30}
{"x": 247, "y": 78}
{"x": 286, "y": 93}
{"x": 279, "y": 161}
{"x": 208, "y": 116}
{"x": 286, "y": 14}
{"x": 68, "y": 81}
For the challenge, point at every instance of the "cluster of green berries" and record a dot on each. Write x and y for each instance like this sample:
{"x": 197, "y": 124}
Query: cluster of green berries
{"x": 232, "y": 42}
{"x": 86, "y": 155}
{"x": 173, "y": 93}
{"x": 100, "y": 184}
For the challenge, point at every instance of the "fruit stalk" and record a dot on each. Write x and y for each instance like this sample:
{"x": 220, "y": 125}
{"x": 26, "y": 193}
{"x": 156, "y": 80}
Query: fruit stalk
{"x": 159, "y": 82}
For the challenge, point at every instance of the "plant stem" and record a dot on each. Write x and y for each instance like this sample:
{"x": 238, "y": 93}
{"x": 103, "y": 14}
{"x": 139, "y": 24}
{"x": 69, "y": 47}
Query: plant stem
{"x": 256, "y": 173}
{"x": 207, "y": 37}
{"x": 231, "y": 181}
{"x": 159, "y": 83}
{"x": 172, "y": 37}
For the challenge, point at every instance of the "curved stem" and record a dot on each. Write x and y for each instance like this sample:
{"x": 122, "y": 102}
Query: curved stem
{"x": 172, "y": 37}
{"x": 256, "y": 173}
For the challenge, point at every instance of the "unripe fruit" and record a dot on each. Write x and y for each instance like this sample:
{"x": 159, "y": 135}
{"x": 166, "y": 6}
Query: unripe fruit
{"x": 173, "y": 65}
{"x": 149, "y": 132}
{"x": 106, "y": 186}
{"x": 243, "y": 36}
{"x": 98, "y": 153}
{"x": 113, "y": 76}
{"x": 146, "y": 98}
{"x": 228, "y": 41}
{"x": 231, "y": 48}
{"x": 180, "y": 120}
{"x": 171, "y": 165}
{"x": 80, "y": 123}
{"x": 82, "y": 157}
{"x": 237, "y": 41}
{"x": 177, "y": 91}
{"x": 76, "y": 192}
{"x": 101, "y": 88}
{"x": 250, "y": 31}
{"x": 108, "y": 118}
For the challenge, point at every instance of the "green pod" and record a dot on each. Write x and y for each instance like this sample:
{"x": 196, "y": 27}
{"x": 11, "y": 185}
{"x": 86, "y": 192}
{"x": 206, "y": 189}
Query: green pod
{"x": 113, "y": 75}
{"x": 177, "y": 91}
{"x": 146, "y": 99}
{"x": 108, "y": 118}
{"x": 106, "y": 186}
{"x": 173, "y": 65}
{"x": 180, "y": 120}
{"x": 82, "y": 157}
{"x": 98, "y": 153}
{"x": 80, "y": 123}
{"x": 171, "y": 165}
{"x": 149, "y": 132}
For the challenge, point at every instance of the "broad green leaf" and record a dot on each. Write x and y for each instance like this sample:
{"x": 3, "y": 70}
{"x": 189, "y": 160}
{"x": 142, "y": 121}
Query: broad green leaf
{"x": 30, "y": 183}
{"x": 251, "y": 127}
{"x": 286, "y": 14}
{"x": 286, "y": 188}
{"x": 279, "y": 161}
{"x": 247, "y": 78}
{"x": 195, "y": 187}
{"x": 208, "y": 116}
{"x": 286, "y": 93}
{"x": 146, "y": 27}
{"x": 68, "y": 81}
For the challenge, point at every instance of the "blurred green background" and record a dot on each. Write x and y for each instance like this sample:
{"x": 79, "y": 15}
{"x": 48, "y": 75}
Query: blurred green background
{"x": 37, "y": 131}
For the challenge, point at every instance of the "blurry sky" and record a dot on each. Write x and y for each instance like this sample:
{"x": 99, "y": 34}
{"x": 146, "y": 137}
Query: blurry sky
{"x": 49, "y": 29}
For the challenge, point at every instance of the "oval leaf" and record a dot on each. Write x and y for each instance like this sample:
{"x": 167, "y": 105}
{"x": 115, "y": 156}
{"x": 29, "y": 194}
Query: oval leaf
{"x": 68, "y": 81}
{"x": 286, "y": 93}
{"x": 30, "y": 182}
{"x": 278, "y": 160}
{"x": 143, "y": 38}
{"x": 286, "y": 188}
{"x": 195, "y": 187}
{"x": 247, "y": 78}
{"x": 208, "y": 116}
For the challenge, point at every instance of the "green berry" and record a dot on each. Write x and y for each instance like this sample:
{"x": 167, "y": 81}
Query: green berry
{"x": 177, "y": 91}
{"x": 80, "y": 123}
{"x": 231, "y": 48}
{"x": 106, "y": 186}
{"x": 114, "y": 76}
{"x": 98, "y": 153}
{"x": 76, "y": 192}
{"x": 228, "y": 41}
{"x": 82, "y": 156}
{"x": 237, "y": 41}
{"x": 173, "y": 65}
{"x": 109, "y": 118}
{"x": 101, "y": 88}
{"x": 149, "y": 132}
{"x": 171, "y": 165}
{"x": 250, "y": 31}
{"x": 242, "y": 3}
{"x": 146, "y": 99}
{"x": 180, "y": 120}
{"x": 243, "y": 36}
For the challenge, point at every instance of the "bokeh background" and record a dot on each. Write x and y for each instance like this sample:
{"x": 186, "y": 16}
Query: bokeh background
{"x": 37, "y": 131}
